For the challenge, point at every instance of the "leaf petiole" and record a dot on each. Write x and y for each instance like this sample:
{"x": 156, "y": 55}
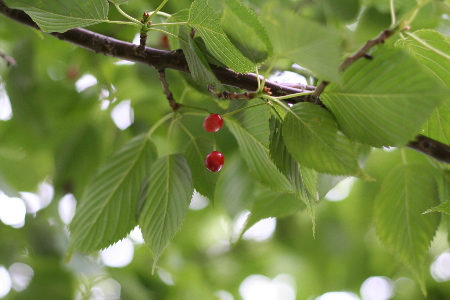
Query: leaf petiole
{"x": 168, "y": 24}
{"x": 127, "y": 16}
{"x": 166, "y": 32}
{"x": 294, "y": 95}
{"x": 242, "y": 109}
{"x": 159, "y": 123}
{"x": 155, "y": 12}
{"x": 123, "y": 23}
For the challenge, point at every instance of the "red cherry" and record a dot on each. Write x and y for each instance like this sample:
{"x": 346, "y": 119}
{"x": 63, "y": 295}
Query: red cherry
{"x": 214, "y": 161}
{"x": 213, "y": 123}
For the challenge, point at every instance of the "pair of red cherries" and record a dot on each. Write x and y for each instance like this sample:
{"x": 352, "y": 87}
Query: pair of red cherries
{"x": 215, "y": 160}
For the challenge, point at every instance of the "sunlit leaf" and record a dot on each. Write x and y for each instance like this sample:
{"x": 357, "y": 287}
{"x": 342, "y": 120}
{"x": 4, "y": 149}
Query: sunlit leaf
{"x": 206, "y": 22}
{"x": 438, "y": 125}
{"x": 311, "y": 136}
{"x": 60, "y": 16}
{"x": 303, "y": 41}
{"x": 204, "y": 180}
{"x": 406, "y": 193}
{"x": 383, "y": 101}
{"x": 199, "y": 67}
{"x": 107, "y": 211}
{"x": 251, "y": 131}
{"x": 164, "y": 201}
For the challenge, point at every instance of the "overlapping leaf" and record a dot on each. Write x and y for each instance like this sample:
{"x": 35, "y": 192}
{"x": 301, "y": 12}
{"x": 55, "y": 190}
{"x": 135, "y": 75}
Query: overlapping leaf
{"x": 252, "y": 134}
{"x": 303, "y": 180}
{"x": 240, "y": 196}
{"x": 206, "y": 22}
{"x": 311, "y": 136}
{"x": 204, "y": 180}
{"x": 118, "y": 2}
{"x": 107, "y": 211}
{"x": 305, "y": 42}
{"x": 60, "y": 16}
{"x": 242, "y": 26}
{"x": 181, "y": 16}
{"x": 424, "y": 51}
{"x": 165, "y": 201}
{"x": 384, "y": 101}
{"x": 199, "y": 67}
{"x": 272, "y": 204}
{"x": 406, "y": 193}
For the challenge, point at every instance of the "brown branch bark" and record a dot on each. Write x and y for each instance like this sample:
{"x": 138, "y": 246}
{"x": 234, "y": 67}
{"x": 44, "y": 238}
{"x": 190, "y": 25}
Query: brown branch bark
{"x": 162, "y": 59}
{"x": 162, "y": 77}
{"x": 159, "y": 59}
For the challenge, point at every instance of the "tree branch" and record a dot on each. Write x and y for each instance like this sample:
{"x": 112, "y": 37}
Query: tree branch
{"x": 162, "y": 59}
{"x": 9, "y": 60}
{"x": 159, "y": 59}
{"x": 162, "y": 77}
{"x": 362, "y": 52}
{"x": 430, "y": 147}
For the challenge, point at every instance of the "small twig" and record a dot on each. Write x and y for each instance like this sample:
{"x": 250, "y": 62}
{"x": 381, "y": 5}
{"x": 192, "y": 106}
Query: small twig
{"x": 319, "y": 90}
{"x": 432, "y": 148}
{"x": 11, "y": 62}
{"x": 162, "y": 77}
{"x": 238, "y": 96}
{"x": 362, "y": 52}
{"x": 380, "y": 39}
{"x": 192, "y": 33}
{"x": 144, "y": 30}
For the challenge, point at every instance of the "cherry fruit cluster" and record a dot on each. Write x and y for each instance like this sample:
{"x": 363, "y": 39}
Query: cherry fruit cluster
{"x": 215, "y": 160}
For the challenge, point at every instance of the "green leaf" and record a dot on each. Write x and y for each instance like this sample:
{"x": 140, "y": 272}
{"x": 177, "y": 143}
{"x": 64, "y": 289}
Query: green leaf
{"x": 60, "y": 16}
{"x": 252, "y": 134}
{"x": 207, "y": 23}
{"x": 311, "y": 136}
{"x": 438, "y": 125}
{"x": 345, "y": 10}
{"x": 107, "y": 211}
{"x": 235, "y": 174}
{"x": 444, "y": 208}
{"x": 384, "y": 101}
{"x": 272, "y": 204}
{"x": 204, "y": 180}
{"x": 119, "y": 2}
{"x": 199, "y": 67}
{"x": 303, "y": 180}
{"x": 165, "y": 201}
{"x": 405, "y": 194}
{"x": 181, "y": 16}
{"x": 242, "y": 26}
{"x": 310, "y": 45}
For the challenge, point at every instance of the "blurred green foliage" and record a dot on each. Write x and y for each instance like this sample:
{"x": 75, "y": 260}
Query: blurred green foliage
{"x": 62, "y": 136}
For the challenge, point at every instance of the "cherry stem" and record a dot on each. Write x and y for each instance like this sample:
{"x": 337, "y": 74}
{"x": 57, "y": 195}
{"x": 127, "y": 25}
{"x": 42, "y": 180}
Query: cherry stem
{"x": 242, "y": 109}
